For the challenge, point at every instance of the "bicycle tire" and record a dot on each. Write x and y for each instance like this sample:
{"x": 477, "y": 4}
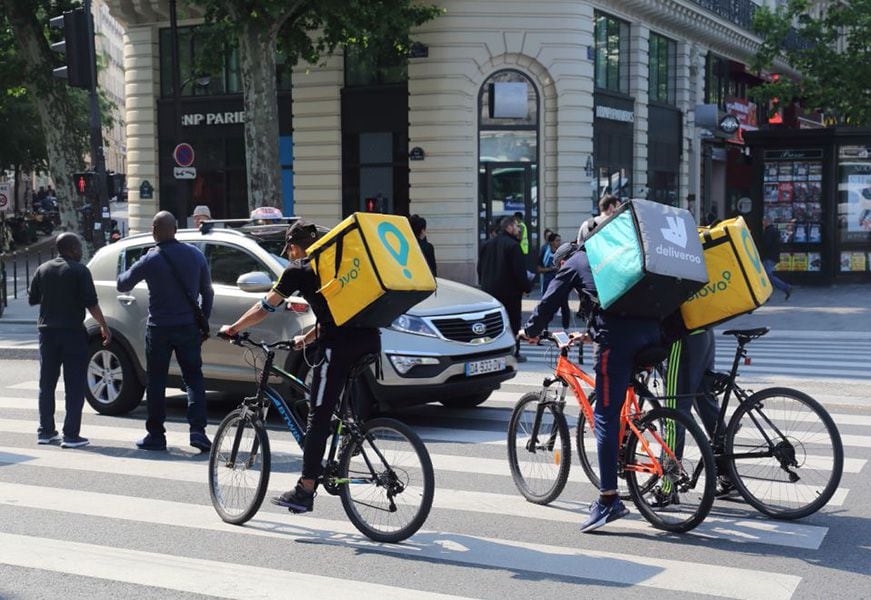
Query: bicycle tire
{"x": 585, "y": 437}
{"x": 233, "y": 506}
{"x": 694, "y": 478}
{"x": 560, "y": 454}
{"x": 825, "y": 438}
{"x": 366, "y": 449}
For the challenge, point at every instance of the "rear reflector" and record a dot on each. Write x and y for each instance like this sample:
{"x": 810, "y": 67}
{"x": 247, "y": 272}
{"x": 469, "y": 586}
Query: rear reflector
{"x": 299, "y": 307}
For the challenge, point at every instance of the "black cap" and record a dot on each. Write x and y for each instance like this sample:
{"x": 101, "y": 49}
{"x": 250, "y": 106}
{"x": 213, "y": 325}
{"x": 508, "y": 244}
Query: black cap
{"x": 301, "y": 233}
{"x": 564, "y": 252}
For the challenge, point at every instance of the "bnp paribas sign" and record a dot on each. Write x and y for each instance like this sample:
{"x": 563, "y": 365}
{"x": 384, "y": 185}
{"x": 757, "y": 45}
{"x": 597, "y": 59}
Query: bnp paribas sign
{"x": 213, "y": 118}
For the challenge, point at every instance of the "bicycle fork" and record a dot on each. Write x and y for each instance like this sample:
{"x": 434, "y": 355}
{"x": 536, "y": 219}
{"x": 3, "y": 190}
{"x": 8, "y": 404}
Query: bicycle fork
{"x": 532, "y": 445}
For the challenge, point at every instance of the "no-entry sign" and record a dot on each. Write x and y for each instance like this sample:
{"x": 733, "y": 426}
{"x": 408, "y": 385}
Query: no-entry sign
{"x": 183, "y": 155}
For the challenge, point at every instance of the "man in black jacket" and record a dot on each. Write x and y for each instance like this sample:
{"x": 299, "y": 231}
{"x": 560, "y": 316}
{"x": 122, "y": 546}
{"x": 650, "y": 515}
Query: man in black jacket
{"x": 418, "y": 227}
{"x": 502, "y": 273}
{"x": 771, "y": 255}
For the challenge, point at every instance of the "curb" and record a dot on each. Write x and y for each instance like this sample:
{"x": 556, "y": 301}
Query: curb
{"x": 17, "y": 321}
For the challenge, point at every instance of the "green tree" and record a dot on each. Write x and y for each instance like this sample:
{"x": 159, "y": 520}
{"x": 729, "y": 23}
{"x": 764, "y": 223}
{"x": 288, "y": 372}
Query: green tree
{"x": 295, "y": 30}
{"x": 830, "y": 47}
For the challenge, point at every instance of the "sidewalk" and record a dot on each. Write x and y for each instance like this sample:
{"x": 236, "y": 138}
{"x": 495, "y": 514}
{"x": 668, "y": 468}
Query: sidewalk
{"x": 845, "y": 309}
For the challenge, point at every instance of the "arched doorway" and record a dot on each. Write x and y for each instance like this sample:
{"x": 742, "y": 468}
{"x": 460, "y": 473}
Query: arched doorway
{"x": 508, "y": 152}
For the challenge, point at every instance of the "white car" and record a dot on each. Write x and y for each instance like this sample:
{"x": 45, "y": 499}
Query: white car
{"x": 455, "y": 347}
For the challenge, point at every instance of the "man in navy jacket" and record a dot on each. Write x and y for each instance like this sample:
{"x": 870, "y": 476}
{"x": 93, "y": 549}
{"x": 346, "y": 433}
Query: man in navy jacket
{"x": 172, "y": 327}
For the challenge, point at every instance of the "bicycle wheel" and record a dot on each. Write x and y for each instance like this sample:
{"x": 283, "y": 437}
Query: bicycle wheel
{"x": 386, "y": 481}
{"x": 585, "y": 443}
{"x": 239, "y": 465}
{"x": 796, "y": 456}
{"x": 682, "y": 498}
{"x": 539, "y": 466}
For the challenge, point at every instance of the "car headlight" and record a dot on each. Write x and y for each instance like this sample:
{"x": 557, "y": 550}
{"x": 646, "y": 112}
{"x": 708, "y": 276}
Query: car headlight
{"x": 404, "y": 364}
{"x": 411, "y": 324}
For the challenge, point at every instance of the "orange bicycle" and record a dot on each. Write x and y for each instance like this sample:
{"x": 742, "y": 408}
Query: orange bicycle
{"x": 673, "y": 487}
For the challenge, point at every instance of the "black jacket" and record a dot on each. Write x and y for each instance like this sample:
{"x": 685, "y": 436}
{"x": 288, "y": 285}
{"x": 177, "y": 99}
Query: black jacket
{"x": 771, "y": 244}
{"x": 501, "y": 268}
{"x": 429, "y": 254}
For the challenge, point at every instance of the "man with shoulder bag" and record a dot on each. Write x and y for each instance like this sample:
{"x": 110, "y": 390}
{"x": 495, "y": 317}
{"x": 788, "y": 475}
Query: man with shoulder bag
{"x": 176, "y": 274}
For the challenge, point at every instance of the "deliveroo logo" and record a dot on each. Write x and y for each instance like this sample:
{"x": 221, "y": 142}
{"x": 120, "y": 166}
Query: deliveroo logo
{"x": 750, "y": 249}
{"x": 676, "y": 232}
{"x": 400, "y": 252}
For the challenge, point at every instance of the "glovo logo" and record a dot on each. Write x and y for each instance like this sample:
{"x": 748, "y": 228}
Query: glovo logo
{"x": 352, "y": 274}
{"x": 713, "y": 287}
{"x": 753, "y": 255}
{"x": 400, "y": 253}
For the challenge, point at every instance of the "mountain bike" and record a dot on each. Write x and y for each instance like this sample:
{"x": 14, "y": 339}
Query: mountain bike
{"x": 672, "y": 487}
{"x": 780, "y": 449}
{"x": 380, "y": 468}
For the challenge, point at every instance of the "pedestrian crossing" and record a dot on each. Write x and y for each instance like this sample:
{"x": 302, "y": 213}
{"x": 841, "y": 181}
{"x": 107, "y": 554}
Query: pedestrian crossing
{"x": 134, "y": 519}
{"x": 788, "y": 353}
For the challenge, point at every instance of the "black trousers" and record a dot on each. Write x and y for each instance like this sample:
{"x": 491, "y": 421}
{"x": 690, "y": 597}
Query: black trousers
{"x": 513, "y": 306}
{"x": 334, "y": 358}
{"x": 67, "y": 348}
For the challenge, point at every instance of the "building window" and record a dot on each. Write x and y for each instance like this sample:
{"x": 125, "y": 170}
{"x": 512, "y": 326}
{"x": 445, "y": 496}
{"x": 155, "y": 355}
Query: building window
{"x": 374, "y": 66}
{"x": 202, "y": 76}
{"x": 719, "y": 85}
{"x": 612, "y": 53}
{"x": 508, "y": 148}
{"x": 663, "y": 69}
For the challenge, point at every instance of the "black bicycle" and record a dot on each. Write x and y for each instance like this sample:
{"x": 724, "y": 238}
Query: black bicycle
{"x": 780, "y": 449}
{"x": 380, "y": 468}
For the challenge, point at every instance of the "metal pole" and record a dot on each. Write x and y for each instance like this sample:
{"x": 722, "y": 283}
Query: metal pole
{"x": 181, "y": 188}
{"x": 101, "y": 210}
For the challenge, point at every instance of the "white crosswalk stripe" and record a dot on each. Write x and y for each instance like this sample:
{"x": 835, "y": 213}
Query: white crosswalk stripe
{"x": 467, "y": 449}
{"x": 778, "y": 353}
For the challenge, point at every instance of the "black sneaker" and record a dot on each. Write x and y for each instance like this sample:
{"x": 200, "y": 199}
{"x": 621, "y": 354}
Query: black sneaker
{"x": 661, "y": 499}
{"x": 200, "y": 441}
{"x": 74, "y": 442}
{"x": 151, "y": 443}
{"x": 296, "y": 500}
{"x": 725, "y": 487}
{"x": 48, "y": 438}
{"x": 520, "y": 358}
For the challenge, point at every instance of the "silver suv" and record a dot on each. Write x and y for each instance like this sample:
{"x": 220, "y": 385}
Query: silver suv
{"x": 454, "y": 347}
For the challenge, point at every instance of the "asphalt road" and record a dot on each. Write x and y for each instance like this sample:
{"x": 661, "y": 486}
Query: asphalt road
{"x": 109, "y": 521}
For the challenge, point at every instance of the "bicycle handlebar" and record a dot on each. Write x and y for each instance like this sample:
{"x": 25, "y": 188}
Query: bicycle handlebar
{"x": 244, "y": 338}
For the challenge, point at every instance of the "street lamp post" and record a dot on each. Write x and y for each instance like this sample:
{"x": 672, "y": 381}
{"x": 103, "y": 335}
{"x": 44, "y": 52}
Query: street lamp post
{"x": 182, "y": 191}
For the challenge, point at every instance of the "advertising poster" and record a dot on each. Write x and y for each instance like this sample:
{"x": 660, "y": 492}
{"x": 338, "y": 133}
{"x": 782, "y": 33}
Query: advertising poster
{"x": 846, "y": 260}
{"x": 799, "y": 261}
{"x": 857, "y": 262}
{"x": 785, "y": 262}
{"x": 814, "y": 262}
{"x": 854, "y": 193}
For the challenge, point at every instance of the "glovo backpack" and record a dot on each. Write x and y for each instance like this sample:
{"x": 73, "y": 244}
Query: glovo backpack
{"x": 371, "y": 270}
{"x": 737, "y": 282}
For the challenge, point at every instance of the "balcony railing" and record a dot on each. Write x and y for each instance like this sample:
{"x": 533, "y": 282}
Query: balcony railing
{"x": 739, "y": 12}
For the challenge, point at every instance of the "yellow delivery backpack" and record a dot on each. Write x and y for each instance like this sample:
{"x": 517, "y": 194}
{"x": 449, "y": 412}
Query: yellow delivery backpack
{"x": 371, "y": 269}
{"x": 737, "y": 282}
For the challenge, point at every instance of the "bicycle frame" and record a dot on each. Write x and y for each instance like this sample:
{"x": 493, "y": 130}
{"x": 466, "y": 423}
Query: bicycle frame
{"x": 572, "y": 375}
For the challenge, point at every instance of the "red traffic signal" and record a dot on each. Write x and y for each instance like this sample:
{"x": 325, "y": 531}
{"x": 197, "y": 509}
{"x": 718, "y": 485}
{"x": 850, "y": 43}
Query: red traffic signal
{"x": 84, "y": 183}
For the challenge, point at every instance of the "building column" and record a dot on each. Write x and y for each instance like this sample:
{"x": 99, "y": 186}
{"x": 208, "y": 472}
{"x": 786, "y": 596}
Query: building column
{"x": 317, "y": 140}
{"x": 141, "y": 84}
{"x": 685, "y": 99}
{"x": 639, "y": 73}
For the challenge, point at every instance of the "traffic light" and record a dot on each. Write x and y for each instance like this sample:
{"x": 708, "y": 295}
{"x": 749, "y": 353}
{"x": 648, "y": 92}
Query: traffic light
{"x": 75, "y": 47}
{"x": 85, "y": 183}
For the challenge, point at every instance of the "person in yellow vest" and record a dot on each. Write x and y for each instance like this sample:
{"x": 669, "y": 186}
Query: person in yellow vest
{"x": 522, "y": 233}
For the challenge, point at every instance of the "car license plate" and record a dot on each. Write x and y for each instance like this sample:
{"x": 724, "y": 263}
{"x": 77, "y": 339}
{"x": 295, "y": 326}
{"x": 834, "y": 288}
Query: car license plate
{"x": 479, "y": 367}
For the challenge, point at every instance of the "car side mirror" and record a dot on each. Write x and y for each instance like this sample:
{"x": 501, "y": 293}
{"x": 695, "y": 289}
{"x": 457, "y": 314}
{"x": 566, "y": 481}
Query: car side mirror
{"x": 254, "y": 282}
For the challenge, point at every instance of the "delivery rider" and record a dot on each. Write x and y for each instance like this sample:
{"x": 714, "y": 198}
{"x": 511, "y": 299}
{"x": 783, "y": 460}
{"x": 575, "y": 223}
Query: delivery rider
{"x": 618, "y": 340}
{"x": 336, "y": 350}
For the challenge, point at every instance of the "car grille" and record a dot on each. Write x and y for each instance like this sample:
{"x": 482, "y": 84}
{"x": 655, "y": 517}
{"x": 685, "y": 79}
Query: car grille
{"x": 459, "y": 329}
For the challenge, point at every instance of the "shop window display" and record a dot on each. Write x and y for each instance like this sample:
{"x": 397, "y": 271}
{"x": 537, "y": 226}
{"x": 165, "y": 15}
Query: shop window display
{"x": 793, "y": 199}
{"x": 854, "y": 207}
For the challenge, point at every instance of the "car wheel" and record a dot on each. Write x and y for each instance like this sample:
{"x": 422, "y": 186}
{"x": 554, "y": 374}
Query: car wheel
{"x": 113, "y": 387}
{"x": 470, "y": 401}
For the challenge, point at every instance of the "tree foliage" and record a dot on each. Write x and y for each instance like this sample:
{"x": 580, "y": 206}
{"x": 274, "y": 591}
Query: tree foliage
{"x": 830, "y": 48}
{"x": 293, "y": 31}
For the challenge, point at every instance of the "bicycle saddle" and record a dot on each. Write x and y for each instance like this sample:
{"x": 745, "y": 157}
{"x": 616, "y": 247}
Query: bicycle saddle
{"x": 650, "y": 357}
{"x": 745, "y": 335}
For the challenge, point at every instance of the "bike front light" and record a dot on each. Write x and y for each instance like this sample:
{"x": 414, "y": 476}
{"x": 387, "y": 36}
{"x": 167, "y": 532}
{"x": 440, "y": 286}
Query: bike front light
{"x": 413, "y": 325}
{"x": 404, "y": 364}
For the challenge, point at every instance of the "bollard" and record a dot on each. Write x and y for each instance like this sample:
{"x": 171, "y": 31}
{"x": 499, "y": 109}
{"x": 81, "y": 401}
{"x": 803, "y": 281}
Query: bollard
{"x": 15, "y": 278}
{"x": 26, "y": 272}
{"x": 4, "y": 295}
